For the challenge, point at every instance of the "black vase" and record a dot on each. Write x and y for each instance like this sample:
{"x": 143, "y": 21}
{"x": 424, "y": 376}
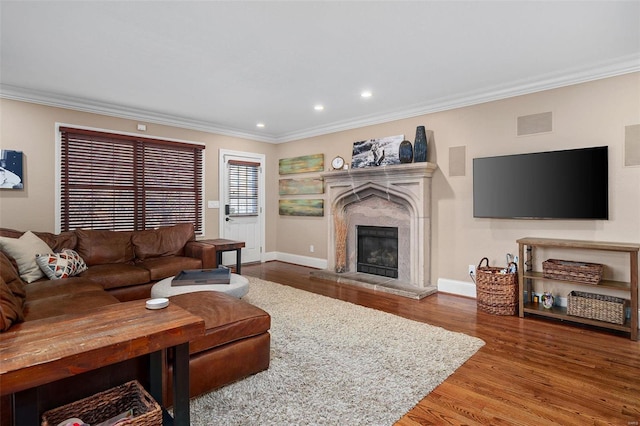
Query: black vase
{"x": 405, "y": 152}
{"x": 420, "y": 145}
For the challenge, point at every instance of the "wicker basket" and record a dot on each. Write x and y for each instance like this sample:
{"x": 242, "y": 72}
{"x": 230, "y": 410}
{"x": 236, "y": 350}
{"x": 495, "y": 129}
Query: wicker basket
{"x": 597, "y": 306}
{"x": 497, "y": 292}
{"x": 108, "y": 404}
{"x": 590, "y": 273}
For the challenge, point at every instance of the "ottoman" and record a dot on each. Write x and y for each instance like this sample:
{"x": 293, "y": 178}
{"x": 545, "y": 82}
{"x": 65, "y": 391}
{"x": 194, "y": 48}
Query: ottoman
{"x": 238, "y": 287}
{"x": 236, "y": 342}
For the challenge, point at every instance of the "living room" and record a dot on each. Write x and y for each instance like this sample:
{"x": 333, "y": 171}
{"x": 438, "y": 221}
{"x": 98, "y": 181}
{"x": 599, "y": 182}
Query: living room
{"x": 599, "y": 106}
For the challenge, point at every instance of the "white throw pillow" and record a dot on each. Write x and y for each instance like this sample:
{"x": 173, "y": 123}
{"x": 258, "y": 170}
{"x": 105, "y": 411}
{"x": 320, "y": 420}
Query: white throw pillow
{"x": 24, "y": 251}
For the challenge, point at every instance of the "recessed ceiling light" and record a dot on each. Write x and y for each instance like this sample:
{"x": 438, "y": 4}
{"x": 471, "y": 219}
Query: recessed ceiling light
{"x": 366, "y": 94}
{"x": 318, "y": 107}
{"x": 261, "y": 125}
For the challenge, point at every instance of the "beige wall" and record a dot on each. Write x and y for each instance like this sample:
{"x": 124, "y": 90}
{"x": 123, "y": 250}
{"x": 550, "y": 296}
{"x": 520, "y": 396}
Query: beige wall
{"x": 589, "y": 114}
{"x": 31, "y": 128}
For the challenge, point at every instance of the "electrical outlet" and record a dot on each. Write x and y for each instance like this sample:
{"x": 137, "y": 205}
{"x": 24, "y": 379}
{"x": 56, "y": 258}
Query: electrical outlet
{"x": 311, "y": 248}
{"x": 472, "y": 269}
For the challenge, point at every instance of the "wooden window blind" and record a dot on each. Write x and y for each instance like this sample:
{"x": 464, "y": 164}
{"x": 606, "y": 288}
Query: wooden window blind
{"x": 243, "y": 188}
{"x": 121, "y": 182}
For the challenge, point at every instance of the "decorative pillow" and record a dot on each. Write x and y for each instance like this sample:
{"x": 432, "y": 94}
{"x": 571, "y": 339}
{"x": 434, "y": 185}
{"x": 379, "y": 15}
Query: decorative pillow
{"x": 65, "y": 264}
{"x": 24, "y": 251}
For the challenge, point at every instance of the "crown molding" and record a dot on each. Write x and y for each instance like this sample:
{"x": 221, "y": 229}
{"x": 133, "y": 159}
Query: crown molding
{"x": 114, "y": 110}
{"x": 620, "y": 66}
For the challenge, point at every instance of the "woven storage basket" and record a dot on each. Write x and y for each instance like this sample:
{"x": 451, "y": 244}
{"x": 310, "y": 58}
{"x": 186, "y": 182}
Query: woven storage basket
{"x": 496, "y": 292}
{"x": 597, "y": 306}
{"x": 590, "y": 273}
{"x": 108, "y": 404}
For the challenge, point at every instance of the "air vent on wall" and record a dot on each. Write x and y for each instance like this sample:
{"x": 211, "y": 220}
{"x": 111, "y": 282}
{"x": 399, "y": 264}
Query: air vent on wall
{"x": 535, "y": 123}
{"x": 632, "y": 145}
{"x": 457, "y": 160}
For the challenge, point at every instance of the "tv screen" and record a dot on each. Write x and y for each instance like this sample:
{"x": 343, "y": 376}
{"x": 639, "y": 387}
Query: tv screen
{"x": 569, "y": 184}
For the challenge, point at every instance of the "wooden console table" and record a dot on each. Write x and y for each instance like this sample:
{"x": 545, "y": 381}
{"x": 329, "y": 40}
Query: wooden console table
{"x": 43, "y": 351}
{"x": 221, "y": 245}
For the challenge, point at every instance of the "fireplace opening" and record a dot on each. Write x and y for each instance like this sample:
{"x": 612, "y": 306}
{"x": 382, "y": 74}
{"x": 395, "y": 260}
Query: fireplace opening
{"x": 378, "y": 250}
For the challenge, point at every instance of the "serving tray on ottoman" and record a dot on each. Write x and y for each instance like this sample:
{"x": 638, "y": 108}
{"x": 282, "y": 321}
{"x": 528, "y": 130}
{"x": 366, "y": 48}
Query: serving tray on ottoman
{"x": 219, "y": 275}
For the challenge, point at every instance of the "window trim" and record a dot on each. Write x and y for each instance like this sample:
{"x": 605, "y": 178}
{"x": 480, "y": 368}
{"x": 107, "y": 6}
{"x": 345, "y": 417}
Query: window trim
{"x": 155, "y": 139}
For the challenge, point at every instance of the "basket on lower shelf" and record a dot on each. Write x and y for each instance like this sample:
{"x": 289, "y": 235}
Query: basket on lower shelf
{"x": 496, "y": 290}
{"x": 597, "y": 306}
{"x": 108, "y": 404}
{"x": 584, "y": 272}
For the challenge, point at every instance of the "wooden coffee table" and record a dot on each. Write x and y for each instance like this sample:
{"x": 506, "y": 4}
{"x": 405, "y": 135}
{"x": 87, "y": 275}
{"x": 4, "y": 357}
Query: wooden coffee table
{"x": 43, "y": 351}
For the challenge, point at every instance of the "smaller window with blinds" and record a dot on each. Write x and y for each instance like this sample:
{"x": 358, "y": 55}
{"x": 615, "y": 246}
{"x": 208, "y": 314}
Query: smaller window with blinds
{"x": 243, "y": 188}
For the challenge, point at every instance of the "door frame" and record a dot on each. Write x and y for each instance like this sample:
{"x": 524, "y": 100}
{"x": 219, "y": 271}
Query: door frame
{"x": 222, "y": 179}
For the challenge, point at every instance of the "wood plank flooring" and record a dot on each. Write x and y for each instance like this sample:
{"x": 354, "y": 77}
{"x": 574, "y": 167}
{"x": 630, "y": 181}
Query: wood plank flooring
{"x": 530, "y": 372}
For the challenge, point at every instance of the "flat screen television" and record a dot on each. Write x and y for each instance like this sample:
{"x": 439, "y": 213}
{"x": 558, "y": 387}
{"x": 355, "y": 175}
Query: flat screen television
{"x": 568, "y": 184}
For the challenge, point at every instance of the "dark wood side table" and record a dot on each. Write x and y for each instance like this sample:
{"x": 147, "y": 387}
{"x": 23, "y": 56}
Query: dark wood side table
{"x": 46, "y": 350}
{"x": 221, "y": 245}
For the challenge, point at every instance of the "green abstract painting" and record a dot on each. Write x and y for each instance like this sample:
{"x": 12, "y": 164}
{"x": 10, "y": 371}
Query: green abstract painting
{"x": 301, "y": 186}
{"x": 300, "y": 207}
{"x": 304, "y": 164}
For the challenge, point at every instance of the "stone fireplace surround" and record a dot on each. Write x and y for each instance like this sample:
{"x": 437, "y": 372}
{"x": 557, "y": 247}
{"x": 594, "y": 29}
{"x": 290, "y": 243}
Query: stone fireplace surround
{"x": 397, "y": 196}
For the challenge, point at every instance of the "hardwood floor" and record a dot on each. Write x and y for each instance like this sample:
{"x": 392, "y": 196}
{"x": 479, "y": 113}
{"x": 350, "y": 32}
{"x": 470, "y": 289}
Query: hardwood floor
{"x": 530, "y": 371}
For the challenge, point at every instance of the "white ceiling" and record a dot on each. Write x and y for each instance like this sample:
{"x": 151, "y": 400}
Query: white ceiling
{"x": 225, "y": 66}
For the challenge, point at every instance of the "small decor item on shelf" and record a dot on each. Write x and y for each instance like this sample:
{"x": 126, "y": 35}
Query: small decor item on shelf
{"x": 406, "y": 152}
{"x": 547, "y": 300}
{"x": 590, "y": 273}
{"x": 497, "y": 288}
{"x": 420, "y": 145}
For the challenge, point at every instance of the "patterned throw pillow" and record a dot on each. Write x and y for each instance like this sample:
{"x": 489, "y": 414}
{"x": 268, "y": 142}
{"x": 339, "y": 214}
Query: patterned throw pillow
{"x": 64, "y": 264}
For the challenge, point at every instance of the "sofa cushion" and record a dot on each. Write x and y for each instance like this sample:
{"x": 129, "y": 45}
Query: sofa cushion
{"x": 24, "y": 250}
{"x": 103, "y": 247}
{"x": 164, "y": 267}
{"x": 165, "y": 241}
{"x": 61, "y": 265}
{"x": 47, "y": 288}
{"x": 226, "y": 318}
{"x": 116, "y": 275}
{"x": 11, "y": 305}
{"x": 66, "y": 303}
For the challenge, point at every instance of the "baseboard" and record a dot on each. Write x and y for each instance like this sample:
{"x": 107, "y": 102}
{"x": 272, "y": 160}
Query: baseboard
{"x": 312, "y": 262}
{"x": 460, "y": 288}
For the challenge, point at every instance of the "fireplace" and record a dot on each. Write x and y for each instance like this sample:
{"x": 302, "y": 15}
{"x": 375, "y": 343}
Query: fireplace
{"x": 378, "y": 250}
{"x": 394, "y": 197}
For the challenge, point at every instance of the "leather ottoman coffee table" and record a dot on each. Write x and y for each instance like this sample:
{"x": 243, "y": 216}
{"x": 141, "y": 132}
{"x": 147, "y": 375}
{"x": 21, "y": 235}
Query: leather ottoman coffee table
{"x": 237, "y": 287}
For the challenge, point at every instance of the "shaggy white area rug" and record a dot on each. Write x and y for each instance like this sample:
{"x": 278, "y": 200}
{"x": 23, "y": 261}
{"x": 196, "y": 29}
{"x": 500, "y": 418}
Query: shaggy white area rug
{"x": 335, "y": 363}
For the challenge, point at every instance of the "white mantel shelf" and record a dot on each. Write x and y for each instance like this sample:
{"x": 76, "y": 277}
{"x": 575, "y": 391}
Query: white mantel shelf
{"x": 409, "y": 169}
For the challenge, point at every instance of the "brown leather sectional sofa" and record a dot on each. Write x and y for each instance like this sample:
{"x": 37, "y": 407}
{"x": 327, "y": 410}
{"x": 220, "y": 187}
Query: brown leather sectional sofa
{"x": 123, "y": 266}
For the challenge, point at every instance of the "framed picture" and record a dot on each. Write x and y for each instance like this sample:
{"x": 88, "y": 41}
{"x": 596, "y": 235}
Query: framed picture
{"x": 304, "y": 164}
{"x": 376, "y": 152}
{"x": 301, "y": 186}
{"x": 301, "y": 207}
{"x": 11, "y": 176}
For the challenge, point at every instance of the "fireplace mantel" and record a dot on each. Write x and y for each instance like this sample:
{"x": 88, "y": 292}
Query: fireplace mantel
{"x": 398, "y": 195}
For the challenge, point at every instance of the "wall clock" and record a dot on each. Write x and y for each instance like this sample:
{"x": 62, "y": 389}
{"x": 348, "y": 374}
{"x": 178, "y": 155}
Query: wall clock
{"x": 337, "y": 163}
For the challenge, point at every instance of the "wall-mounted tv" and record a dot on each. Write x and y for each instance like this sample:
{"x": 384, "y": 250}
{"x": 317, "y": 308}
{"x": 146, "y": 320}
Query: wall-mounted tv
{"x": 568, "y": 184}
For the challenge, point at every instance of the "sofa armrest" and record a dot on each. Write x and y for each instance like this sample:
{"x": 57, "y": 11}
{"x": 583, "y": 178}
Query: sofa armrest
{"x": 205, "y": 252}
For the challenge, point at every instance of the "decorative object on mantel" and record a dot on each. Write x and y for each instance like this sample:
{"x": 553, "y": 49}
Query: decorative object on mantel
{"x": 11, "y": 169}
{"x": 302, "y": 186}
{"x": 337, "y": 163}
{"x": 301, "y": 207}
{"x": 420, "y": 145}
{"x": 341, "y": 227}
{"x": 376, "y": 152}
{"x": 406, "y": 152}
{"x": 303, "y": 164}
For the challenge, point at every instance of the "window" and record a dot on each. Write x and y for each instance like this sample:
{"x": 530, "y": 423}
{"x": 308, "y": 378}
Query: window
{"x": 121, "y": 182}
{"x": 243, "y": 188}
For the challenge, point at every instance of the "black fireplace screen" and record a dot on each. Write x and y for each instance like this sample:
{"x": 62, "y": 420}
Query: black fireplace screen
{"x": 378, "y": 250}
